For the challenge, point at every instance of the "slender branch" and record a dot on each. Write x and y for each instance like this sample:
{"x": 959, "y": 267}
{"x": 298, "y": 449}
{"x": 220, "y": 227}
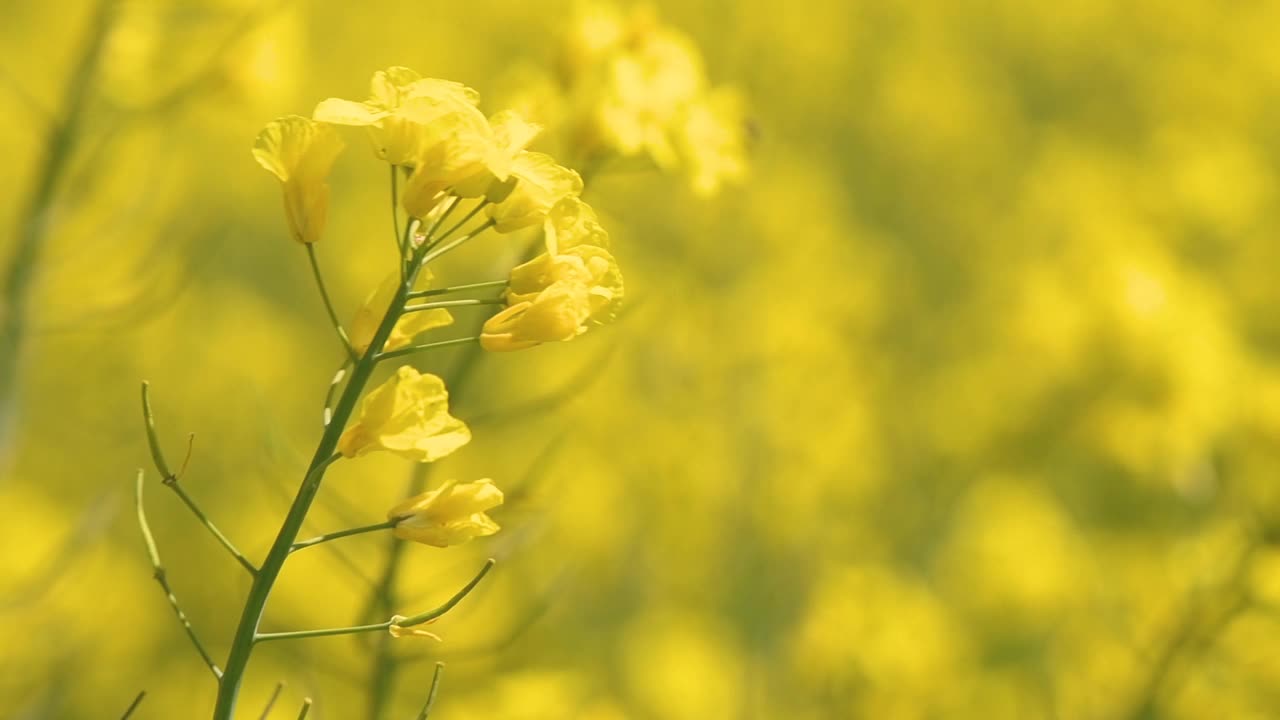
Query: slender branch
{"x": 133, "y": 705}
{"x": 458, "y": 288}
{"x": 431, "y": 233}
{"x": 159, "y": 574}
{"x": 425, "y": 346}
{"x": 449, "y": 604}
{"x": 172, "y": 483}
{"x": 271, "y": 702}
{"x": 153, "y": 439}
{"x": 325, "y": 632}
{"x": 397, "y": 620}
{"x": 306, "y": 708}
{"x": 436, "y": 252}
{"x": 385, "y": 525}
{"x": 479, "y": 206}
{"x": 171, "y": 480}
{"x": 328, "y": 304}
{"x": 453, "y": 303}
{"x": 431, "y": 694}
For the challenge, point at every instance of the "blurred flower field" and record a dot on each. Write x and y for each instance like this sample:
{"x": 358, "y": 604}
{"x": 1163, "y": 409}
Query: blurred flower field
{"x": 946, "y": 383}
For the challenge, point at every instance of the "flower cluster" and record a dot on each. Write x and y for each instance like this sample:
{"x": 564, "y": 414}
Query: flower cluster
{"x": 630, "y": 86}
{"x": 447, "y": 152}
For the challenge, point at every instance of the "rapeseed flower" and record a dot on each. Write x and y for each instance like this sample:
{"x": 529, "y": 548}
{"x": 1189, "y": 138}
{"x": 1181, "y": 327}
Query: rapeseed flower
{"x": 539, "y": 183}
{"x": 407, "y": 415}
{"x": 449, "y": 515}
{"x": 560, "y": 294}
{"x": 401, "y": 104}
{"x": 300, "y": 152}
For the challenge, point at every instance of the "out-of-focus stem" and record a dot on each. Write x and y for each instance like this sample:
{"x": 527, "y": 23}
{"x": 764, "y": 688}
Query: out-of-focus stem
{"x": 431, "y": 694}
{"x": 37, "y": 216}
{"x": 133, "y": 705}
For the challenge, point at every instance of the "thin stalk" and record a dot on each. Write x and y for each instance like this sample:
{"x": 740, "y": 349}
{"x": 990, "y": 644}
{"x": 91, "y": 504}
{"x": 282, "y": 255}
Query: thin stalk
{"x": 458, "y": 288}
{"x": 213, "y": 529}
{"x": 133, "y": 705}
{"x": 431, "y": 694}
{"x": 453, "y": 303}
{"x": 436, "y": 252}
{"x": 404, "y": 622}
{"x": 328, "y": 304}
{"x": 438, "y": 239}
{"x": 452, "y": 602}
{"x": 326, "y": 632}
{"x": 385, "y": 525}
{"x": 159, "y": 574}
{"x": 170, "y": 479}
{"x": 398, "y": 352}
{"x": 306, "y": 708}
{"x": 271, "y": 702}
{"x": 37, "y": 217}
{"x": 247, "y": 629}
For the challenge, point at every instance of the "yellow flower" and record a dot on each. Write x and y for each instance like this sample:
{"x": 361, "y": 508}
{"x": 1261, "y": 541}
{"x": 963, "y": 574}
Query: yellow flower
{"x": 365, "y": 323}
{"x": 398, "y": 631}
{"x": 713, "y": 141}
{"x": 558, "y": 295}
{"x": 449, "y": 515}
{"x": 646, "y": 88}
{"x": 509, "y": 134}
{"x": 539, "y": 183}
{"x": 409, "y": 416}
{"x": 401, "y": 103}
{"x": 300, "y": 153}
{"x": 465, "y": 154}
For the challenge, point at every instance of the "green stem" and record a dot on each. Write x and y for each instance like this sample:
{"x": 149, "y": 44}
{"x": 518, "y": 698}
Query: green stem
{"x": 425, "y": 346}
{"x": 171, "y": 479}
{"x": 39, "y": 213}
{"x": 306, "y": 708}
{"x": 449, "y": 604}
{"x": 247, "y": 629}
{"x": 431, "y": 694}
{"x": 159, "y": 574}
{"x": 302, "y": 634}
{"x": 134, "y": 705}
{"x": 436, "y": 252}
{"x": 436, "y": 240}
{"x": 396, "y": 620}
{"x": 458, "y": 288}
{"x": 385, "y": 525}
{"x": 328, "y": 304}
{"x": 213, "y": 529}
{"x": 453, "y": 303}
{"x": 271, "y": 702}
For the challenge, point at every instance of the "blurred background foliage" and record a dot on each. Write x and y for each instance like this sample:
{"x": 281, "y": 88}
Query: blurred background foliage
{"x": 964, "y": 404}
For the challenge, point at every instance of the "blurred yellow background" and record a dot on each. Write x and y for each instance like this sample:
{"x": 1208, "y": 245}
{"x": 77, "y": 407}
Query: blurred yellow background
{"x": 964, "y": 403}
